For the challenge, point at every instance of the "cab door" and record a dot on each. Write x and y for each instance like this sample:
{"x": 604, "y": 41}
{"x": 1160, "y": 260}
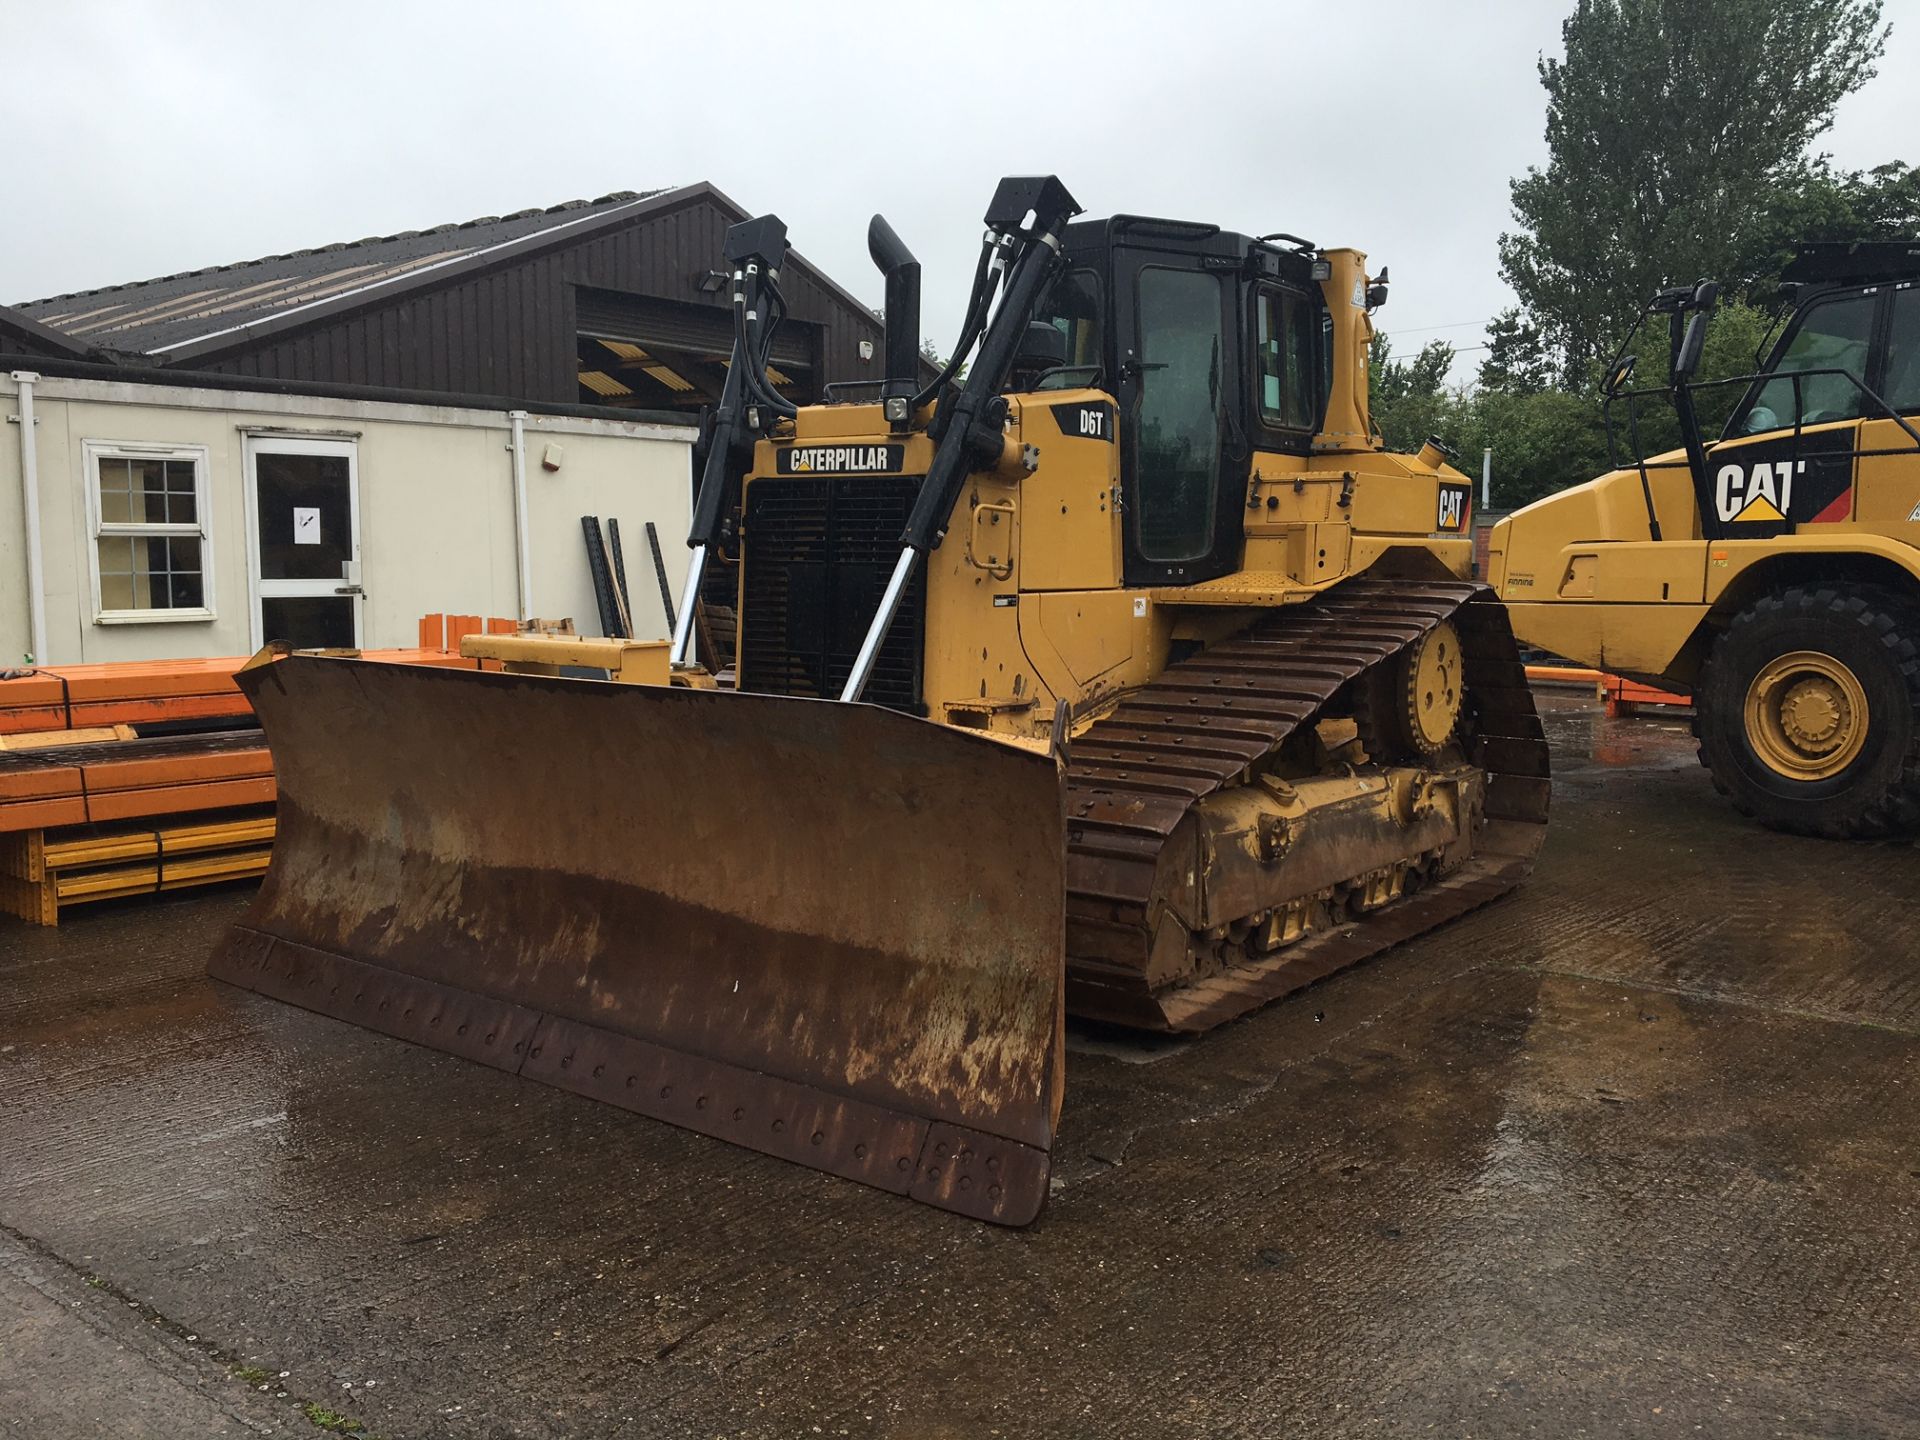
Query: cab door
{"x": 1789, "y": 452}
{"x": 1886, "y": 491}
{"x": 1184, "y": 454}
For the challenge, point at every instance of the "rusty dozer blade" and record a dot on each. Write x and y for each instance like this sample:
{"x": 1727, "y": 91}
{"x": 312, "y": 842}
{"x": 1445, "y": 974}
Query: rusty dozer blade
{"x": 828, "y": 932}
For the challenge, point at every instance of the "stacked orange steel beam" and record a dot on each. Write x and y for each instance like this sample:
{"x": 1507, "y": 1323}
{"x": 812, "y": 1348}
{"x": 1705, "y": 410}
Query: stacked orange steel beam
{"x": 83, "y": 783}
{"x": 91, "y": 807}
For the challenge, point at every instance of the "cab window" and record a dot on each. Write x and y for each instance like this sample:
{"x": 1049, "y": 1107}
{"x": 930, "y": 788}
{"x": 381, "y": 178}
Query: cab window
{"x": 1073, "y": 308}
{"x": 1178, "y": 416}
{"x": 1284, "y": 370}
{"x": 1903, "y": 353}
{"x": 1835, "y": 335}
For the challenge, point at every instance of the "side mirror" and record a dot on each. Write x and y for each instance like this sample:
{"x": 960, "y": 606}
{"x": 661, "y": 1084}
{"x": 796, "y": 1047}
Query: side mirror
{"x": 1618, "y": 374}
{"x": 1692, "y": 344}
{"x": 1042, "y": 348}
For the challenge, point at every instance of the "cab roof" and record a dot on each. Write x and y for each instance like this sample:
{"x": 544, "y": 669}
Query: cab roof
{"x": 1853, "y": 262}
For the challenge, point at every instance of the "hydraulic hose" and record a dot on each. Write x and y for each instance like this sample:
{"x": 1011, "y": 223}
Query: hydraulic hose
{"x": 755, "y": 380}
{"x": 979, "y": 299}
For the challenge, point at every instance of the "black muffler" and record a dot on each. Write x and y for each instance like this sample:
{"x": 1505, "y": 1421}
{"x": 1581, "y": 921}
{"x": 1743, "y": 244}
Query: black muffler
{"x": 896, "y": 262}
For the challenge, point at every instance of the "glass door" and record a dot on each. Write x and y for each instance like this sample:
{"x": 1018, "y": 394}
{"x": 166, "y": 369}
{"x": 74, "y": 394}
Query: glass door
{"x": 1180, "y": 401}
{"x": 304, "y": 541}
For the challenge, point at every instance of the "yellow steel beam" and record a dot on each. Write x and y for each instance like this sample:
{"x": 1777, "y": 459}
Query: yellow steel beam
{"x": 631, "y": 662}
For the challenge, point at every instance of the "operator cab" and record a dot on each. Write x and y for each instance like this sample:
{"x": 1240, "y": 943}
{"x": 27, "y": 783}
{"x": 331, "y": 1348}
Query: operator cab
{"x": 1214, "y": 345}
{"x": 1854, "y": 340}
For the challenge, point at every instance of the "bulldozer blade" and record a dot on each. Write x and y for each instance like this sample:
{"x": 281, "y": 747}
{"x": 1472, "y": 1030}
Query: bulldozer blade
{"x": 829, "y": 932}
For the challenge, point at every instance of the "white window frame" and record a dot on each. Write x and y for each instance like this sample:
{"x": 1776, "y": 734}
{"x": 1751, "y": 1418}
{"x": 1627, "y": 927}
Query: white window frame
{"x": 92, "y": 452}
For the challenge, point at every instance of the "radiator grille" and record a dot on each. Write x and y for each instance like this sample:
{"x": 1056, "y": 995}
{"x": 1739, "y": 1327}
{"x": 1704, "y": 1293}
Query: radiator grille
{"x": 818, "y": 551}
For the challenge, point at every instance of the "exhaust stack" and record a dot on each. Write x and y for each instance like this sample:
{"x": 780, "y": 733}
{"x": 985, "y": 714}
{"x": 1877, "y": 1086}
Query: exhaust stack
{"x": 896, "y": 262}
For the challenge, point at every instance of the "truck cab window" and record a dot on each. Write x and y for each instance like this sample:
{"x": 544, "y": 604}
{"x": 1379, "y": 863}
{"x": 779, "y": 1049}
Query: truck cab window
{"x": 1073, "y": 308}
{"x": 1835, "y": 335}
{"x": 1178, "y": 429}
{"x": 1903, "y": 353}
{"x": 1284, "y": 323}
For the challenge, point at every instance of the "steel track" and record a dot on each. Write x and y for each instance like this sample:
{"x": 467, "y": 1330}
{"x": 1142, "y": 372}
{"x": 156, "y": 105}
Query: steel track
{"x": 1207, "y": 722}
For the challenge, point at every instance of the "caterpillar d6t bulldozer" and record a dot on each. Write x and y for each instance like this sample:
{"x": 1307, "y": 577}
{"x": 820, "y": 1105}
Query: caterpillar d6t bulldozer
{"x": 1772, "y": 572}
{"x": 1125, "y": 677}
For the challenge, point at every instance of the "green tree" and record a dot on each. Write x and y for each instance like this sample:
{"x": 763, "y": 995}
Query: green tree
{"x": 1546, "y": 439}
{"x": 1541, "y": 442}
{"x": 1878, "y": 204}
{"x": 1518, "y": 360}
{"x": 1409, "y": 398}
{"x": 1677, "y": 138}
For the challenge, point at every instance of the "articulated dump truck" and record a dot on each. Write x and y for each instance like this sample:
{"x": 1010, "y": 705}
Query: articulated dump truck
{"x": 1126, "y": 677}
{"x": 1770, "y": 566}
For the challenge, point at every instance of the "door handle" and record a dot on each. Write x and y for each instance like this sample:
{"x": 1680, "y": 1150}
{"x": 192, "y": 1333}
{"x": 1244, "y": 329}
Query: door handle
{"x": 348, "y": 590}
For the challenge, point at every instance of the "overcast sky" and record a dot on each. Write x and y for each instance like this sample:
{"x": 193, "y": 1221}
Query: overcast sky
{"x": 157, "y": 137}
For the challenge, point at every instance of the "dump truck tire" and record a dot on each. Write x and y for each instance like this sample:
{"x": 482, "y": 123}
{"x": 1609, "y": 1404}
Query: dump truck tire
{"x": 1808, "y": 712}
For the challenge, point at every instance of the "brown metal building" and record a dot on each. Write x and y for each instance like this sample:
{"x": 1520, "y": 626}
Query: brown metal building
{"x": 610, "y": 302}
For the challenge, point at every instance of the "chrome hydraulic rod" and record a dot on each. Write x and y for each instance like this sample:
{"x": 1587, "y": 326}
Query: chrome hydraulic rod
{"x": 681, "y": 655}
{"x": 882, "y": 622}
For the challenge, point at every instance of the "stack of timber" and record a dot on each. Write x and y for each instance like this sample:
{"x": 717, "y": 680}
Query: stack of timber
{"x": 134, "y": 778}
{"x": 42, "y": 871}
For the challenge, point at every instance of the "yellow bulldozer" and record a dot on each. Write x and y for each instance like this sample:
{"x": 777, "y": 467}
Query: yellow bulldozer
{"x": 1125, "y": 676}
{"x": 1771, "y": 572}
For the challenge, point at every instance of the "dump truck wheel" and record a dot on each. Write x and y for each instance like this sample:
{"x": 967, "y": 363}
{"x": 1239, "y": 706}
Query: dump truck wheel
{"x": 1808, "y": 712}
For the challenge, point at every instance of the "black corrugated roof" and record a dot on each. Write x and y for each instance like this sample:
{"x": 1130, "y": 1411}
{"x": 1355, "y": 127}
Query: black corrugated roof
{"x": 23, "y": 332}
{"x": 151, "y": 317}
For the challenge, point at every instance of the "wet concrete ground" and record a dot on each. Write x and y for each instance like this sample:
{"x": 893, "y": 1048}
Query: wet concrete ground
{"x": 1630, "y": 1153}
